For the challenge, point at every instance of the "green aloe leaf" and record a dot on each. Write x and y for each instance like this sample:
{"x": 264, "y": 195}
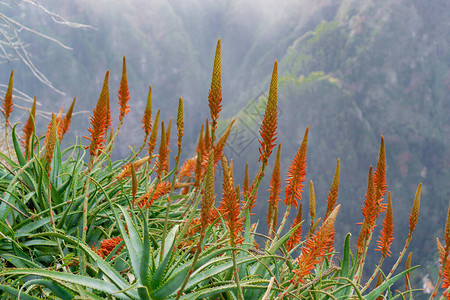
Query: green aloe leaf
{"x": 15, "y": 292}
{"x": 215, "y": 290}
{"x": 346, "y": 257}
{"x": 105, "y": 267}
{"x": 206, "y": 273}
{"x": 22, "y": 161}
{"x": 133, "y": 242}
{"x": 57, "y": 288}
{"x": 100, "y": 285}
{"x": 20, "y": 262}
{"x": 28, "y": 229}
{"x": 160, "y": 271}
{"x": 382, "y": 287}
{"x": 56, "y": 164}
{"x": 145, "y": 267}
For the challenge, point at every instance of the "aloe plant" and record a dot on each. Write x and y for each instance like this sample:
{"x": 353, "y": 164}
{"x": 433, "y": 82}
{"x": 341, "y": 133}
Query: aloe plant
{"x": 74, "y": 223}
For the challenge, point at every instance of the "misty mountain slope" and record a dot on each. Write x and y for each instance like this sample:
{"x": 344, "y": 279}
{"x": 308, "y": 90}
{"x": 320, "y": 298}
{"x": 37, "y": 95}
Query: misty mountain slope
{"x": 378, "y": 68}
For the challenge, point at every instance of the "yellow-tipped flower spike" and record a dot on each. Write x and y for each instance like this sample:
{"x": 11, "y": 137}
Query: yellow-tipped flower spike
{"x": 218, "y": 149}
{"x": 134, "y": 183}
{"x": 447, "y": 228}
{"x": 147, "y": 119}
{"x": 8, "y": 101}
{"x": 334, "y": 190}
{"x": 229, "y": 207}
{"x": 207, "y": 139}
{"x": 50, "y": 141}
{"x": 123, "y": 94}
{"x": 275, "y": 184}
{"x": 380, "y": 177}
{"x": 215, "y": 92}
{"x": 269, "y": 123}
{"x": 68, "y": 118}
{"x": 180, "y": 120}
{"x": 296, "y": 237}
{"x": 28, "y": 128}
{"x": 154, "y": 135}
{"x": 312, "y": 202}
{"x": 414, "y": 216}
{"x": 407, "y": 266}
{"x": 245, "y": 183}
{"x": 127, "y": 169}
{"x": 208, "y": 194}
{"x": 168, "y": 132}
{"x": 59, "y": 123}
{"x": 162, "y": 153}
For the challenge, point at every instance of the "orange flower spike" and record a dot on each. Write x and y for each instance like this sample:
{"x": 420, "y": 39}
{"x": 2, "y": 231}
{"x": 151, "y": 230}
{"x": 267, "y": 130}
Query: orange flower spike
{"x": 123, "y": 94}
{"x": 162, "y": 153}
{"x": 134, "y": 182}
{"x": 67, "y": 119}
{"x": 200, "y": 144}
{"x": 441, "y": 249}
{"x": 127, "y": 169}
{"x": 147, "y": 119}
{"x": 180, "y": 120}
{"x": 296, "y": 174}
{"x": 8, "y": 100}
{"x": 370, "y": 204}
{"x": 215, "y": 92}
{"x": 107, "y": 245}
{"x": 198, "y": 165}
{"x": 154, "y": 135}
{"x": 269, "y": 123}
{"x": 312, "y": 202}
{"x": 380, "y": 178}
{"x": 218, "y": 148}
{"x": 59, "y": 123}
{"x": 207, "y": 139}
{"x": 334, "y": 190}
{"x": 208, "y": 194}
{"x": 274, "y": 219}
{"x": 162, "y": 188}
{"x": 187, "y": 169}
{"x": 444, "y": 270}
{"x": 229, "y": 207}
{"x": 296, "y": 237}
{"x": 387, "y": 232}
{"x": 275, "y": 183}
{"x": 368, "y": 212}
{"x": 168, "y": 132}
{"x": 447, "y": 228}
{"x": 380, "y": 280}
{"x": 108, "y": 115}
{"x": 446, "y": 278}
{"x": 99, "y": 120}
{"x": 314, "y": 250}
{"x": 29, "y": 128}
{"x": 414, "y": 216}
{"x": 245, "y": 184}
{"x": 407, "y": 266}
{"x": 50, "y": 141}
